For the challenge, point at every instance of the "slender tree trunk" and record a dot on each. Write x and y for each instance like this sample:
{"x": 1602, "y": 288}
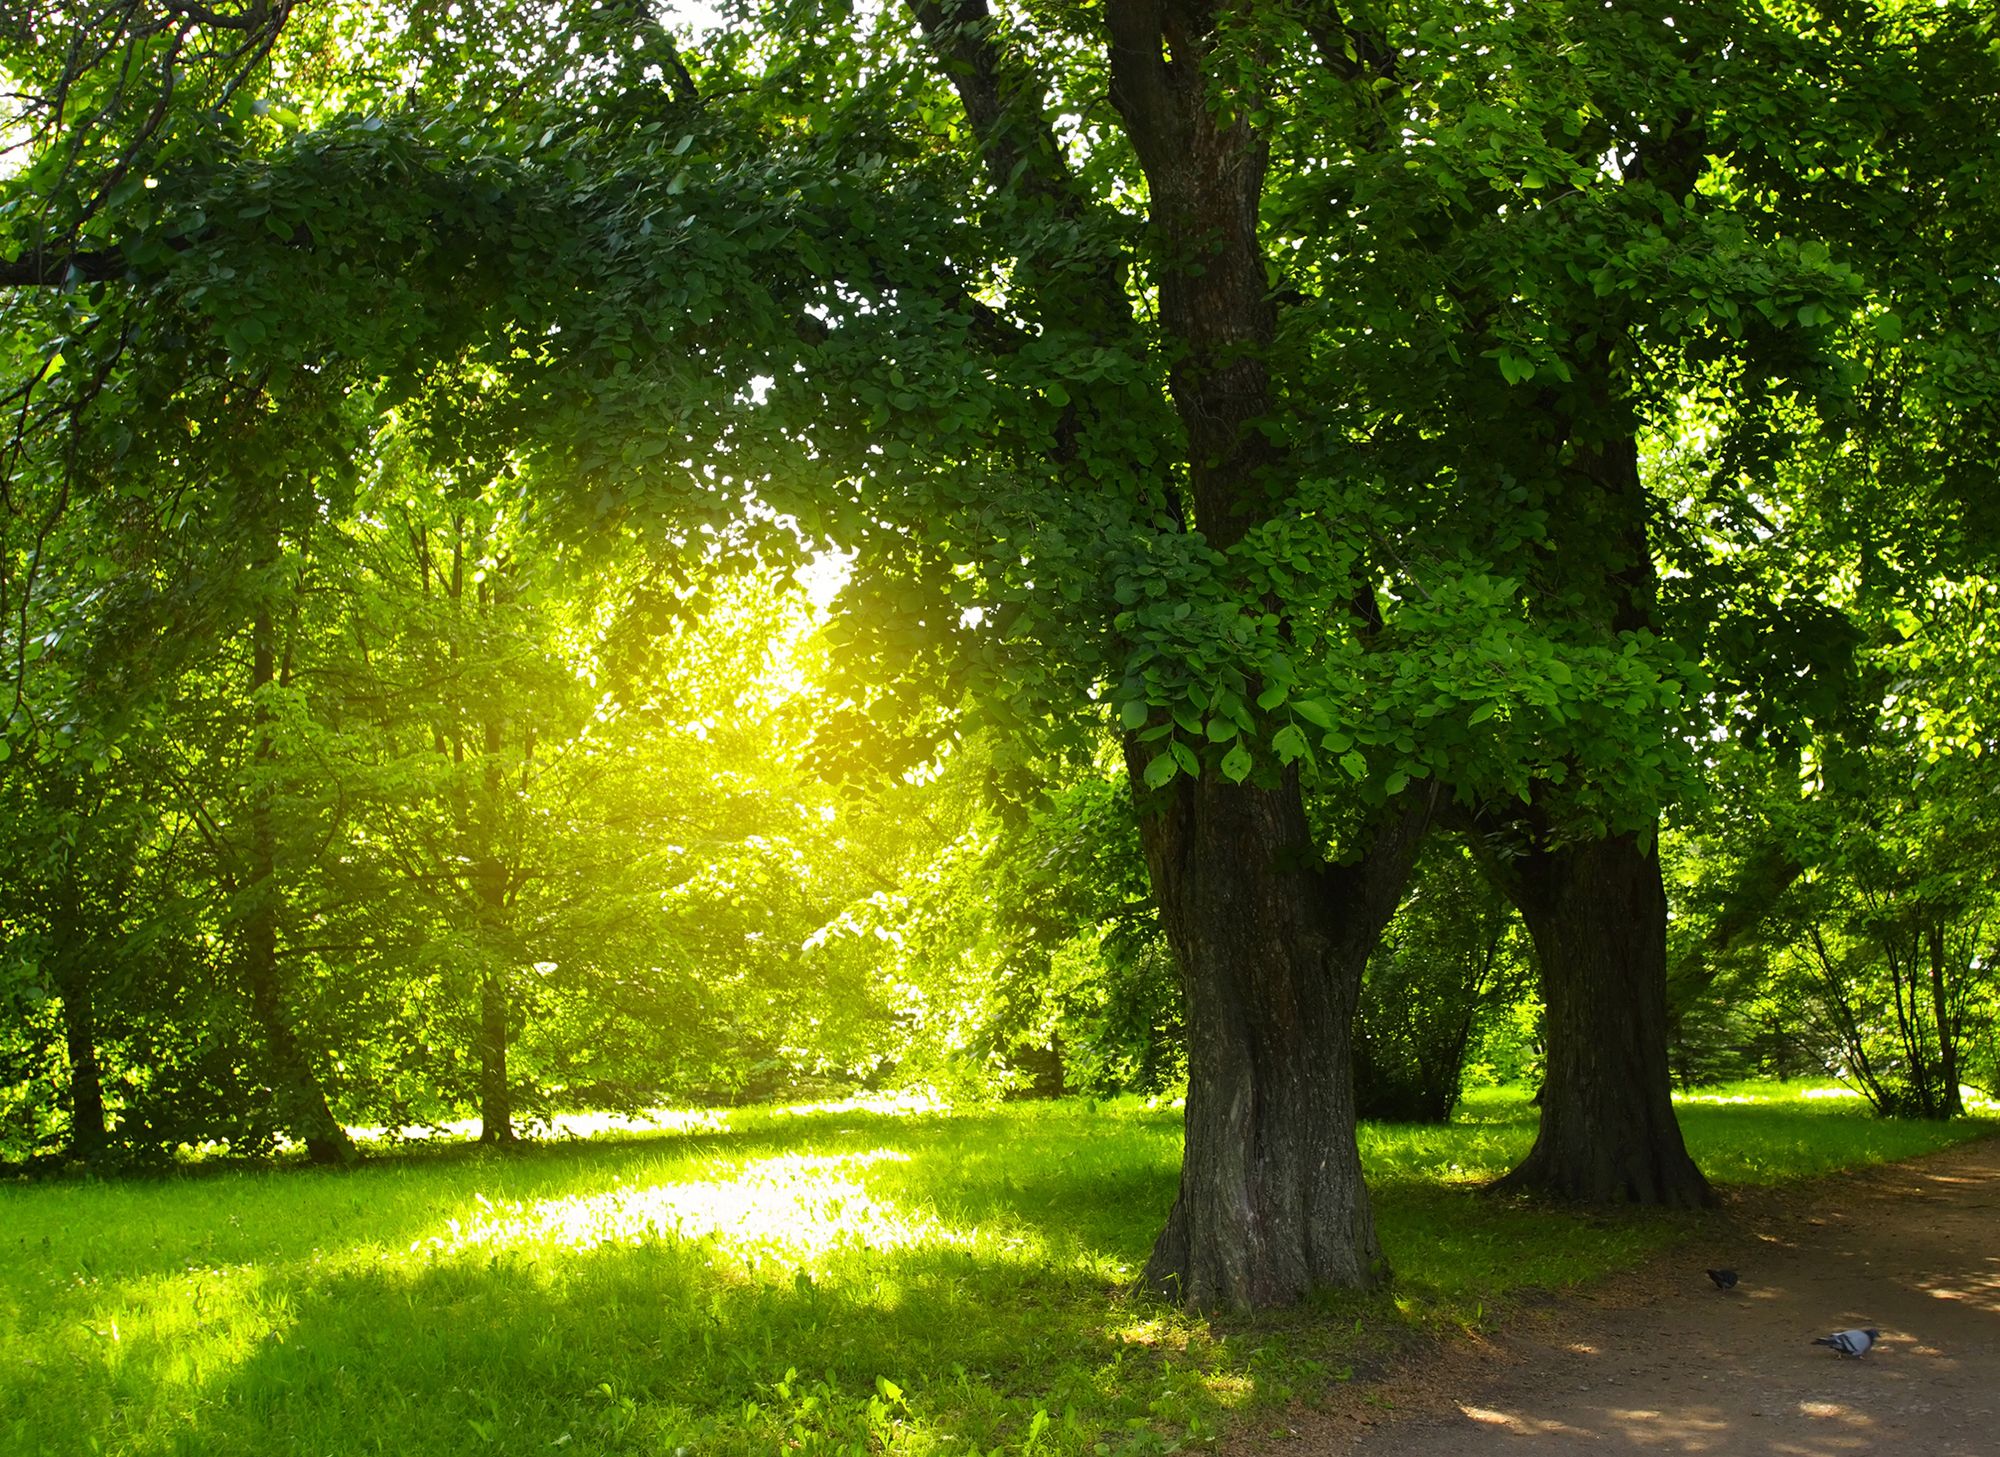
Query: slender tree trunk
{"x": 496, "y": 1100}
{"x": 1952, "y": 1104}
{"x": 1271, "y": 945}
{"x": 302, "y": 1103}
{"x": 73, "y": 964}
{"x": 1596, "y": 911}
{"x": 496, "y": 1107}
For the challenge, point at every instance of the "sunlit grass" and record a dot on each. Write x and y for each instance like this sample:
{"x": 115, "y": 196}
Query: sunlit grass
{"x": 831, "y": 1280}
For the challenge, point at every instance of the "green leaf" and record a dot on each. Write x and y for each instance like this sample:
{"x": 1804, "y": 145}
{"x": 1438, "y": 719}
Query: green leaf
{"x": 1396, "y": 783}
{"x": 1220, "y": 730}
{"x": 1160, "y": 770}
{"x": 1236, "y": 763}
{"x": 1132, "y": 712}
{"x": 1271, "y": 697}
{"x": 1354, "y": 764}
{"x": 1483, "y": 712}
{"x": 1289, "y": 743}
{"x": 1315, "y": 711}
{"x": 1185, "y": 757}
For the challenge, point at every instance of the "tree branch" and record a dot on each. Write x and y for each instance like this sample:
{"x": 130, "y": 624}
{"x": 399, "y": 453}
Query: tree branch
{"x": 36, "y": 270}
{"x": 1002, "y": 100}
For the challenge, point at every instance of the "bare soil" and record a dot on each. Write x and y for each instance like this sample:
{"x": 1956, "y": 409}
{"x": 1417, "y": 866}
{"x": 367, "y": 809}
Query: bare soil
{"x": 1660, "y": 1362}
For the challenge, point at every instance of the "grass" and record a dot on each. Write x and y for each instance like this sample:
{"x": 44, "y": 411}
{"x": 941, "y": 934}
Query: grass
{"x": 827, "y": 1281}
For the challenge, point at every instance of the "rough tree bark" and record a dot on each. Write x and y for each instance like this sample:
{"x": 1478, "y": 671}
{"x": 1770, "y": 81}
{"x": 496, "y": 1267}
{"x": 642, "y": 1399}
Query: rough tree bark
{"x": 1271, "y": 945}
{"x": 1597, "y": 912}
{"x": 1271, "y": 942}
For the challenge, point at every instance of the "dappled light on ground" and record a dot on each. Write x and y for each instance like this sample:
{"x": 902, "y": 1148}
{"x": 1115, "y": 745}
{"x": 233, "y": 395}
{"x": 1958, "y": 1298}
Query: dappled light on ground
{"x": 794, "y": 1207}
{"x": 1978, "y": 1287}
{"x": 1513, "y": 1422}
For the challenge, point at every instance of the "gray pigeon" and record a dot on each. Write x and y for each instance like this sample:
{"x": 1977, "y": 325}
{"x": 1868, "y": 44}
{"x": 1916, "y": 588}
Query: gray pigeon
{"x": 1850, "y": 1343}
{"x": 1724, "y": 1279}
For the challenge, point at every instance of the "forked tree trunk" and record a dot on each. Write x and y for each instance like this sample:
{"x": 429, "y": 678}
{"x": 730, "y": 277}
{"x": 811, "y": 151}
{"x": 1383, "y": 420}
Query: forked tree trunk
{"x": 1597, "y": 913}
{"x": 1271, "y": 945}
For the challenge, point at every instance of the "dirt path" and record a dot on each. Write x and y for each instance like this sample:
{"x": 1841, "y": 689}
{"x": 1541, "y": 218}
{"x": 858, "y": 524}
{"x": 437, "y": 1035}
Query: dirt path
{"x": 1661, "y": 1363}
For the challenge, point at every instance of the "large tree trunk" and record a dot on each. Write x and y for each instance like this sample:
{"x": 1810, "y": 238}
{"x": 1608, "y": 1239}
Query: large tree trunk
{"x": 302, "y": 1104}
{"x": 1597, "y": 913}
{"x": 1596, "y": 908}
{"x": 1271, "y": 944}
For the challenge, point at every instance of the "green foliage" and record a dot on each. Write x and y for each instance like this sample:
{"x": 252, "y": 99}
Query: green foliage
{"x": 1452, "y": 962}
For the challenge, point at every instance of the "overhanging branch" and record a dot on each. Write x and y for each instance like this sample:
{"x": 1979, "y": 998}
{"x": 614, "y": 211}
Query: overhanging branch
{"x": 37, "y": 270}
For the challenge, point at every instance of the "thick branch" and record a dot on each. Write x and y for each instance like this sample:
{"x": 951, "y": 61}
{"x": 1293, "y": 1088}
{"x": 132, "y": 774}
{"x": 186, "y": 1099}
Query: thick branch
{"x": 1350, "y": 51}
{"x": 1005, "y": 103}
{"x": 1002, "y": 100}
{"x": 39, "y": 271}
{"x": 253, "y": 17}
{"x": 1139, "y": 76}
{"x": 1369, "y": 890}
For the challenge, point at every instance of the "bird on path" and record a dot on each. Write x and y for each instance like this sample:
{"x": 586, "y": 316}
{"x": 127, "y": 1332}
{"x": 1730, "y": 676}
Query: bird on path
{"x": 1850, "y": 1343}
{"x": 1724, "y": 1279}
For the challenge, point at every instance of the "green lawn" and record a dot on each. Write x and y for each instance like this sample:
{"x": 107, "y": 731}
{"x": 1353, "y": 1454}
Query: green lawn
{"x": 831, "y": 1281}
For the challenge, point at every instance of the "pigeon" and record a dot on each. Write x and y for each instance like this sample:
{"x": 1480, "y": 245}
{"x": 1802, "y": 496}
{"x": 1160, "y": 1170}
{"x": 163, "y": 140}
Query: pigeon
{"x": 1724, "y": 1279}
{"x": 1850, "y": 1343}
